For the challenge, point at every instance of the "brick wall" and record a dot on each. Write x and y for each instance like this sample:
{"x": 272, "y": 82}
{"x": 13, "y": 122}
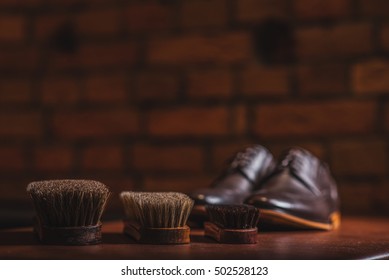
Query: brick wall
{"x": 155, "y": 95}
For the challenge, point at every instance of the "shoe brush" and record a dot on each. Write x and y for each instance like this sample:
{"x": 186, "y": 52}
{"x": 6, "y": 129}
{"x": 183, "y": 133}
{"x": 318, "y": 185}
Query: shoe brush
{"x": 68, "y": 212}
{"x": 234, "y": 224}
{"x": 157, "y": 218}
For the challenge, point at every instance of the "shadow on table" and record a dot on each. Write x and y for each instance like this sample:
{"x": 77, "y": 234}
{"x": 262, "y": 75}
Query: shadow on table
{"x": 14, "y": 238}
{"x": 117, "y": 238}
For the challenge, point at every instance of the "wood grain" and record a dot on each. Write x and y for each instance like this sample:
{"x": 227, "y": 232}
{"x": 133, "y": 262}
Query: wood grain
{"x": 357, "y": 238}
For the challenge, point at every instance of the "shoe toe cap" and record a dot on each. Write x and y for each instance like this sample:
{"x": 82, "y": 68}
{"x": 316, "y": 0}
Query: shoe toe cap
{"x": 266, "y": 202}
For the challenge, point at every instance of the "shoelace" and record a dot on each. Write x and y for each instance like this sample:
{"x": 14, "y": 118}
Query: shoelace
{"x": 243, "y": 159}
{"x": 295, "y": 161}
{"x": 240, "y": 160}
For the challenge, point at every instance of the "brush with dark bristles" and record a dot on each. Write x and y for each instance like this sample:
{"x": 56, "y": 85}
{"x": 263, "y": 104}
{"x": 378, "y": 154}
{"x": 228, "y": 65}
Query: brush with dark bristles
{"x": 68, "y": 212}
{"x": 232, "y": 223}
{"x": 157, "y": 218}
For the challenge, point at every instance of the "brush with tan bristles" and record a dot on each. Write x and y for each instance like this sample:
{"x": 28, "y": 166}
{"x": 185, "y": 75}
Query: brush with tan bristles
{"x": 235, "y": 224}
{"x": 68, "y": 212}
{"x": 157, "y": 218}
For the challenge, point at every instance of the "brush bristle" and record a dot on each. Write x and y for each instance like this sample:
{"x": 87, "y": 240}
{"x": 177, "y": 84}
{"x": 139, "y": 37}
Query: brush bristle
{"x": 233, "y": 216}
{"x": 157, "y": 210}
{"x": 68, "y": 203}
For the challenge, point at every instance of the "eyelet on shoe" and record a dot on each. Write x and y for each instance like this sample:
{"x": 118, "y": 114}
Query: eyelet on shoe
{"x": 293, "y": 160}
{"x": 243, "y": 159}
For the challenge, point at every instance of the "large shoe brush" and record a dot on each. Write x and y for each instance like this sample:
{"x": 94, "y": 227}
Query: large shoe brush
{"x": 68, "y": 212}
{"x": 157, "y": 218}
{"x": 235, "y": 224}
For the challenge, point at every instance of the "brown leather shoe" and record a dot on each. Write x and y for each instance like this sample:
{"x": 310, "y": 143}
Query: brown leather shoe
{"x": 238, "y": 180}
{"x": 300, "y": 193}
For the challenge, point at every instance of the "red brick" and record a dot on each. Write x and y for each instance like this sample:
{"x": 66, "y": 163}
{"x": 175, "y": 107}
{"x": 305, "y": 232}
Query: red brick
{"x": 189, "y": 121}
{"x": 264, "y": 81}
{"x": 380, "y": 198}
{"x": 322, "y": 9}
{"x": 60, "y": 90}
{"x": 374, "y": 8}
{"x": 102, "y": 158}
{"x": 153, "y": 86}
{"x": 15, "y": 91}
{"x": 176, "y": 184}
{"x": 20, "y": 3}
{"x": 53, "y": 159}
{"x": 315, "y": 119}
{"x": 91, "y": 55}
{"x": 118, "y": 184}
{"x": 99, "y": 22}
{"x": 106, "y": 88}
{"x": 371, "y": 77}
{"x": 19, "y": 59}
{"x": 45, "y": 26}
{"x": 141, "y": 17}
{"x": 239, "y": 119}
{"x": 114, "y": 206}
{"x": 20, "y": 125}
{"x": 109, "y": 54}
{"x": 168, "y": 158}
{"x": 93, "y": 124}
{"x": 386, "y": 117}
{"x": 204, "y": 13}
{"x": 210, "y": 83}
{"x": 67, "y": 3}
{"x": 12, "y": 159}
{"x": 13, "y": 192}
{"x": 345, "y": 40}
{"x": 322, "y": 79}
{"x": 259, "y": 10}
{"x": 12, "y": 29}
{"x": 384, "y": 37}
{"x": 222, "y": 48}
{"x": 356, "y": 197}
{"x": 359, "y": 157}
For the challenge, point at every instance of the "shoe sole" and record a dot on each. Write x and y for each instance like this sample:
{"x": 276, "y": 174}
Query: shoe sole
{"x": 277, "y": 218}
{"x": 199, "y": 215}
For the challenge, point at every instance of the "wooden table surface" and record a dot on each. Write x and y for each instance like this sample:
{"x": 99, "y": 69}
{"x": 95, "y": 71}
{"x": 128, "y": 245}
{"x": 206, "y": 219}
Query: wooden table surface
{"x": 357, "y": 238}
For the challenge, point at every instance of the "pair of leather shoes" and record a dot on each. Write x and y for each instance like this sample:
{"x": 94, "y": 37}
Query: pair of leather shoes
{"x": 297, "y": 191}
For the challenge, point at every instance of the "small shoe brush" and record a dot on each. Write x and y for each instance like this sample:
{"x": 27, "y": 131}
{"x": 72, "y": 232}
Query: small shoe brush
{"x": 157, "y": 218}
{"x": 235, "y": 224}
{"x": 68, "y": 212}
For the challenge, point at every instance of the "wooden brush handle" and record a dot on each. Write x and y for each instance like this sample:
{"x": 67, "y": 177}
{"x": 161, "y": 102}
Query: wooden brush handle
{"x": 178, "y": 235}
{"x": 231, "y": 236}
{"x": 69, "y": 235}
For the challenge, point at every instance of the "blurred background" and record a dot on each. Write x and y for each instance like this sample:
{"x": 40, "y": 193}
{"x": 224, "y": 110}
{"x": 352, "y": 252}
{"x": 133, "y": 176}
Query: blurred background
{"x": 156, "y": 95}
